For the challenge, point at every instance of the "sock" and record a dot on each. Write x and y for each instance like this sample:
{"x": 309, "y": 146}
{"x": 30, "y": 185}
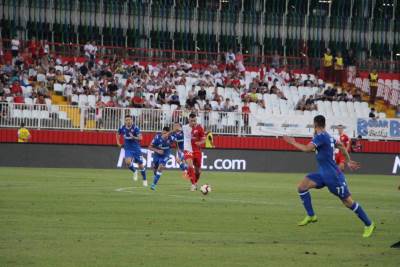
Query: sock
{"x": 183, "y": 166}
{"x": 191, "y": 174}
{"x": 305, "y": 197}
{"x": 131, "y": 167}
{"x": 197, "y": 175}
{"x": 157, "y": 177}
{"x": 360, "y": 213}
{"x": 143, "y": 172}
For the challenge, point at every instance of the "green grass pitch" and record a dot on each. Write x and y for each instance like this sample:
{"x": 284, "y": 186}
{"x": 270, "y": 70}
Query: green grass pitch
{"x": 77, "y": 217}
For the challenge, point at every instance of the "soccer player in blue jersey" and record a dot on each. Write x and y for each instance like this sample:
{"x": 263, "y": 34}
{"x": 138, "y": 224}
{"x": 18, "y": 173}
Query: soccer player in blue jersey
{"x": 161, "y": 146}
{"x": 328, "y": 175}
{"x": 178, "y": 135}
{"x": 133, "y": 153}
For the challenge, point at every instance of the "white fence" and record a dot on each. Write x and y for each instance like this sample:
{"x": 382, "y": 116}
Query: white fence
{"x": 227, "y": 123}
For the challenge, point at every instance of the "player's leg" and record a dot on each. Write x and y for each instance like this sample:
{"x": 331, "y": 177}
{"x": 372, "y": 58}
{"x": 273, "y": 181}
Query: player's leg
{"x": 142, "y": 169}
{"x": 197, "y": 165}
{"x": 341, "y": 190}
{"x": 181, "y": 161}
{"x": 190, "y": 170}
{"x": 158, "y": 174}
{"x": 129, "y": 161}
{"x": 312, "y": 180}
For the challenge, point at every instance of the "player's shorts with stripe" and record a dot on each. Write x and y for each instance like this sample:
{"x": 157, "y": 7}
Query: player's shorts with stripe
{"x": 180, "y": 155}
{"x": 196, "y": 156}
{"x": 340, "y": 158}
{"x": 136, "y": 156}
{"x": 336, "y": 185}
{"x": 159, "y": 160}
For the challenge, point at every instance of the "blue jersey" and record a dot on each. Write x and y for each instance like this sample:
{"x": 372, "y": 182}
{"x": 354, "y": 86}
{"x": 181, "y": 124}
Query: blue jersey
{"x": 324, "y": 149}
{"x": 130, "y": 144}
{"x": 179, "y": 139}
{"x": 164, "y": 144}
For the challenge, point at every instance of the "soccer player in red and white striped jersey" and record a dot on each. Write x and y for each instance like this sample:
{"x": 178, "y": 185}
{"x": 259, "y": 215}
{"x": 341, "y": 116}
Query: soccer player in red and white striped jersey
{"x": 194, "y": 139}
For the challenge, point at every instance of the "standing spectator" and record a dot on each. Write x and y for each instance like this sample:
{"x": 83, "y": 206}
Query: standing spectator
{"x": 275, "y": 60}
{"x": 226, "y": 106}
{"x": 162, "y": 96}
{"x": 1, "y": 53}
{"x": 304, "y": 56}
{"x": 230, "y": 57}
{"x": 207, "y": 106}
{"x": 88, "y": 48}
{"x": 339, "y": 67}
{"x": 15, "y": 46}
{"x": 350, "y": 63}
{"x": 373, "y": 86}
{"x": 239, "y": 64}
{"x": 34, "y": 48}
{"x": 246, "y": 112}
{"x": 328, "y": 65}
{"x": 151, "y": 103}
{"x": 23, "y": 134}
{"x": 209, "y": 140}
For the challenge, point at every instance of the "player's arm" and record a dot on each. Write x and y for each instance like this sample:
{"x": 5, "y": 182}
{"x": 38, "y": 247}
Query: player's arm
{"x": 202, "y": 138}
{"x": 305, "y": 148}
{"x": 154, "y": 149}
{"x": 348, "y": 144}
{"x": 117, "y": 136}
{"x": 353, "y": 165}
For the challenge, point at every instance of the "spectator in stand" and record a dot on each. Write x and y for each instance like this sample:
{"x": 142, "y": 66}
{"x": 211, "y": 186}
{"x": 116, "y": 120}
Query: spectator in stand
{"x": 138, "y": 100}
{"x": 207, "y": 106}
{"x": 16, "y": 88}
{"x": 23, "y": 134}
{"x": 87, "y": 48}
{"x": 174, "y": 99}
{"x": 162, "y": 96}
{"x": 230, "y": 57}
{"x": 40, "y": 100}
{"x": 373, "y": 86}
{"x": 372, "y": 114}
{"x": 15, "y": 46}
{"x": 356, "y": 145}
{"x": 350, "y": 64}
{"x": 1, "y": 53}
{"x": 239, "y": 64}
{"x": 339, "y": 67}
{"x": 226, "y": 106}
{"x": 246, "y": 112}
{"x": 327, "y": 61}
{"x": 308, "y": 81}
{"x": 34, "y": 48}
{"x": 275, "y": 60}
{"x": 215, "y": 95}
{"x": 152, "y": 103}
{"x": 191, "y": 102}
{"x": 59, "y": 78}
{"x": 18, "y": 98}
{"x": 301, "y": 104}
{"x": 202, "y": 93}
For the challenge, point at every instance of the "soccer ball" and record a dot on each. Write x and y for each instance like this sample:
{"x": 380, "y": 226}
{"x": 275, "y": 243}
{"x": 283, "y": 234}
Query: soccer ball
{"x": 205, "y": 189}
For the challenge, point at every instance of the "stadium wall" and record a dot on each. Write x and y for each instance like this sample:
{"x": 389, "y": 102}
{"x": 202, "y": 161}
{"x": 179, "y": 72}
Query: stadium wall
{"x": 220, "y": 141}
{"x": 89, "y": 156}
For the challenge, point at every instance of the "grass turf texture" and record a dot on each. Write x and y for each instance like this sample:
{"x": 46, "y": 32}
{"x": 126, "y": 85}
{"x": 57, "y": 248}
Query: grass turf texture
{"x": 75, "y": 217}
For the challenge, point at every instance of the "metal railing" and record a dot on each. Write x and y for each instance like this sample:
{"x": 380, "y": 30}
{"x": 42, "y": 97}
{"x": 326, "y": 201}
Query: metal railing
{"x": 110, "y": 119}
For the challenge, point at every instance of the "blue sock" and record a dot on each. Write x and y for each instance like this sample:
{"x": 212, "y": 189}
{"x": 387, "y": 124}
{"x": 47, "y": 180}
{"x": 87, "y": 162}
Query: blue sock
{"x": 183, "y": 166}
{"x": 143, "y": 172}
{"x": 306, "y": 199}
{"x": 360, "y": 213}
{"x": 157, "y": 177}
{"x": 131, "y": 167}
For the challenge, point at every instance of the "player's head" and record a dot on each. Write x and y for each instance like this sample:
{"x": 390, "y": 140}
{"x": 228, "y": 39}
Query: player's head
{"x": 177, "y": 127}
{"x": 165, "y": 132}
{"x": 340, "y": 129}
{"x": 192, "y": 119}
{"x": 319, "y": 122}
{"x": 128, "y": 120}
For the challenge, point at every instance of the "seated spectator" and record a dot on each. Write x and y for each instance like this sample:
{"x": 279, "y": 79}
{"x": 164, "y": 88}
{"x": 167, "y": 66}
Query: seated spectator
{"x": 202, "y": 93}
{"x": 16, "y": 88}
{"x": 18, "y": 99}
{"x": 174, "y": 99}
{"x": 60, "y": 77}
{"x": 162, "y": 96}
{"x": 308, "y": 81}
{"x": 246, "y": 112}
{"x": 40, "y": 100}
{"x": 191, "y": 102}
{"x": 226, "y": 106}
{"x": 138, "y": 100}
{"x": 301, "y": 104}
{"x": 215, "y": 95}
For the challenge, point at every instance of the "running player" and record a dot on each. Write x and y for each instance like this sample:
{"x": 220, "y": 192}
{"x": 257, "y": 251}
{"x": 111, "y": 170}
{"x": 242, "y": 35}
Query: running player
{"x": 345, "y": 140}
{"x": 178, "y": 135}
{"x": 161, "y": 146}
{"x": 133, "y": 153}
{"x": 194, "y": 138}
{"x": 328, "y": 175}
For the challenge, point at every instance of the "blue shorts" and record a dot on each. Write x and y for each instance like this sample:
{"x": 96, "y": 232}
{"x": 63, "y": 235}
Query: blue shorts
{"x": 336, "y": 185}
{"x": 180, "y": 155}
{"x": 159, "y": 160}
{"x": 135, "y": 155}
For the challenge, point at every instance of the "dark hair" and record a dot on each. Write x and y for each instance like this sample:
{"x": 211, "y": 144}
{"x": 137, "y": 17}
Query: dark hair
{"x": 177, "y": 122}
{"x": 128, "y": 116}
{"x": 319, "y": 121}
{"x": 22, "y": 124}
{"x": 192, "y": 115}
{"x": 166, "y": 129}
